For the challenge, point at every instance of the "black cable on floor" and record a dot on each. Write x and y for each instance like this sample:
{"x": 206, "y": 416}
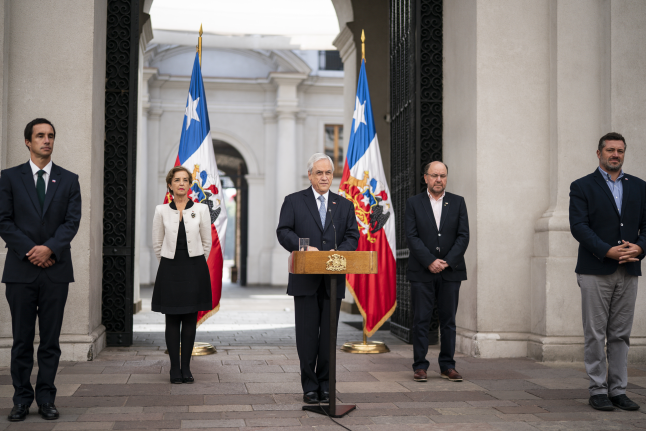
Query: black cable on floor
{"x": 328, "y": 415}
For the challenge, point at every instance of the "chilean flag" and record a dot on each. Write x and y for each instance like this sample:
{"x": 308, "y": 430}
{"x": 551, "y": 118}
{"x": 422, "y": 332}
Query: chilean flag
{"x": 364, "y": 184}
{"x": 196, "y": 154}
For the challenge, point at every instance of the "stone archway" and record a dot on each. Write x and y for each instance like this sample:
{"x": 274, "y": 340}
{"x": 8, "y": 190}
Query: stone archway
{"x": 234, "y": 166}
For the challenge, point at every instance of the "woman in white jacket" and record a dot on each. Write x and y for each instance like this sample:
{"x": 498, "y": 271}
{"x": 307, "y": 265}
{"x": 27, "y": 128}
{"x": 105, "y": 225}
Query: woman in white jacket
{"x": 182, "y": 241}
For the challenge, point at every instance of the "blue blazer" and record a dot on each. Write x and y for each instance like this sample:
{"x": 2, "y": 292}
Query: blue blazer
{"x": 426, "y": 242}
{"x": 299, "y": 218}
{"x": 596, "y": 224}
{"x": 24, "y": 225}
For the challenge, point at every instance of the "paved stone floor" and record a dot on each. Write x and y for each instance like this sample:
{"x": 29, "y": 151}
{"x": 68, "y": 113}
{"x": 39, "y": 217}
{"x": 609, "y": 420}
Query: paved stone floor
{"x": 252, "y": 383}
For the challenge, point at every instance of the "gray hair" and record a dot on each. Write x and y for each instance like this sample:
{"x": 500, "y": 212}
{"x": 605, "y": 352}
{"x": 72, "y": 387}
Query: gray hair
{"x": 315, "y": 158}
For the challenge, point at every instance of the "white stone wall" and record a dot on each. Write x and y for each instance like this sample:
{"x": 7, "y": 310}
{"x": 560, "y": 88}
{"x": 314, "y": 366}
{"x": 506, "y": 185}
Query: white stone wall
{"x": 58, "y": 72}
{"x": 529, "y": 87}
{"x": 271, "y": 106}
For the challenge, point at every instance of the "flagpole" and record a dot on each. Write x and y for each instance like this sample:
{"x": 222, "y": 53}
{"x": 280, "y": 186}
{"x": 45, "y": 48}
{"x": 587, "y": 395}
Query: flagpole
{"x": 199, "y": 45}
{"x": 200, "y": 348}
{"x": 364, "y": 346}
{"x": 363, "y": 45}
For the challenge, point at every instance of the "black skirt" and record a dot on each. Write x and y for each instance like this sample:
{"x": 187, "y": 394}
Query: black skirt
{"x": 183, "y": 284}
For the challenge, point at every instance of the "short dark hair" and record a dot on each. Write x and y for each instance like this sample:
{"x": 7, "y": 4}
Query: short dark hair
{"x": 29, "y": 128}
{"x": 428, "y": 165}
{"x": 171, "y": 175}
{"x": 612, "y": 136}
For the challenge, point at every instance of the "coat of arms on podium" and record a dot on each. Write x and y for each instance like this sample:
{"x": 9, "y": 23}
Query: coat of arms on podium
{"x": 336, "y": 262}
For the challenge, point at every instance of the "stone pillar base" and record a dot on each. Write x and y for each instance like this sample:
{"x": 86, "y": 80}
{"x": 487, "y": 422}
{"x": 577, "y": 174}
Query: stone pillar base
{"x": 490, "y": 344}
{"x": 544, "y": 349}
{"x": 77, "y": 348}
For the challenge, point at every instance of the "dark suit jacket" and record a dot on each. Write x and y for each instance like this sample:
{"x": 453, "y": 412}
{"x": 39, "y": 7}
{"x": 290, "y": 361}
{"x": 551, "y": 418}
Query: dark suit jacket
{"x": 596, "y": 224}
{"x": 299, "y": 218}
{"x": 426, "y": 243}
{"x": 24, "y": 225}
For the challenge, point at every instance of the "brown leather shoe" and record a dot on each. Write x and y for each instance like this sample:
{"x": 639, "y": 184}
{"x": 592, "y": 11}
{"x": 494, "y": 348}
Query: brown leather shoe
{"x": 420, "y": 375}
{"x": 452, "y": 375}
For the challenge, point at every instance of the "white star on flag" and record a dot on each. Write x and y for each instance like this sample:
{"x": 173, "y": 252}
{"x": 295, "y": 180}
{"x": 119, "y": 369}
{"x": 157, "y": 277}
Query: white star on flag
{"x": 359, "y": 115}
{"x": 191, "y": 110}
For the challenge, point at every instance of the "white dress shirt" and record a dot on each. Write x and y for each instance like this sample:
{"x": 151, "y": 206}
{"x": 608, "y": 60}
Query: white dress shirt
{"x": 437, "y": 207}
{"x": 318, "y": 202}
{"x": 35, "y": 169}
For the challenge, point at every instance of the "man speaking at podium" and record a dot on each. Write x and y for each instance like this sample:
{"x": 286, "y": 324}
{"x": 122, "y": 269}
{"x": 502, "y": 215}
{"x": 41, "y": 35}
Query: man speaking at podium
{"x": 329, "y": 222}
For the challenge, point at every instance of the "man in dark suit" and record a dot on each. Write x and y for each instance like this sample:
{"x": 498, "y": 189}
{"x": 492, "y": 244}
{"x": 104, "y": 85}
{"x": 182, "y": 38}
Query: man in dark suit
{"x": 327, "y": 220}
{"x": 437, "y": 230}
{"x": 608, "y": 219}
{"x": 39, "y": 216}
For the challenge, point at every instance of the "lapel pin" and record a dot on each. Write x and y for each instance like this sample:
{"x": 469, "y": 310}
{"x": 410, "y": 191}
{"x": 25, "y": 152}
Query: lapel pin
{"x": 53, "y": 181}
{"x": 193, "y": 215}
{"x": 446, "y": 203}
{"x": 333, "y": 203}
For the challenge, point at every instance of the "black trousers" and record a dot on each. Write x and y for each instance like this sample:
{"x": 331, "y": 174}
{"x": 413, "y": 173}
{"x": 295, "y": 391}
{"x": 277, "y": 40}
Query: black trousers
{"x": 45, "y": 300}
{"x": 313, "y": 338}
{"x": 423, "y": 296}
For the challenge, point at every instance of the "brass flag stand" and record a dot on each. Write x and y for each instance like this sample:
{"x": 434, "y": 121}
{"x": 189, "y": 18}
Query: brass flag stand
{"x": 364, "y": 346}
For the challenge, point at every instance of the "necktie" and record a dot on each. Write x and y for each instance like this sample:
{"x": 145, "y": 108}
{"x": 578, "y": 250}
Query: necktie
{"x": 322, "y": 210}
{"x": 40, "y": 188}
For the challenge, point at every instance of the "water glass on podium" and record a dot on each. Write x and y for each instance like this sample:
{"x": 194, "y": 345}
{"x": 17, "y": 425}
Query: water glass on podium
{"x": 303, "y": 244}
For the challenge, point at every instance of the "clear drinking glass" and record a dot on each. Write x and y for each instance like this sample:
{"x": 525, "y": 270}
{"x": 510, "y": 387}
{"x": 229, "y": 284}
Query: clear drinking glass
{"x": 303, "y": 244}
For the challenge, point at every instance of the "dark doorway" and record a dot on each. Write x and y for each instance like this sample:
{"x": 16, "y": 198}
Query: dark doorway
{"x": 416, "y": 127}
{"x": 124, "y": 21}
{"x": 233, "y": 171}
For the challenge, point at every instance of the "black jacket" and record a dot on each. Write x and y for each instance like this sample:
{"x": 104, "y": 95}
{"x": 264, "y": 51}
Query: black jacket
{"x": 596, "y": 224}
{"x": 299, "y": 218}
{"x": 426, "y": 243}
{"x": 23, "y": 225}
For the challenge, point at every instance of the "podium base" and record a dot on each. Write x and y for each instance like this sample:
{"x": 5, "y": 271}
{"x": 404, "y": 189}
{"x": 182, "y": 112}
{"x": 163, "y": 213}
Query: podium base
{"x": 338, "y": 412}
{"x": 364, "y": 347}
{"x": 200, "y": 349}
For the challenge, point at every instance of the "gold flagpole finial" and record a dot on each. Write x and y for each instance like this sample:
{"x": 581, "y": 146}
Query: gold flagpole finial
{"x": 199, "y": 45}
{"x": 363, "y": 45}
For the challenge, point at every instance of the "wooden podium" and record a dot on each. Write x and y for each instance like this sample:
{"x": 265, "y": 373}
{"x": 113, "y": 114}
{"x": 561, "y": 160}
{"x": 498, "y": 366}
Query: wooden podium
{"x": 332, "y": 263}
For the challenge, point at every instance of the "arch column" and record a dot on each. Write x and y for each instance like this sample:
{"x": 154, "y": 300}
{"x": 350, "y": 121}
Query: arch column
{"x": 286, "y": 181}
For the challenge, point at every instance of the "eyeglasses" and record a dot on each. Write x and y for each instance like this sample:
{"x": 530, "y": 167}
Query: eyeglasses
{"x": 435, "y": 176}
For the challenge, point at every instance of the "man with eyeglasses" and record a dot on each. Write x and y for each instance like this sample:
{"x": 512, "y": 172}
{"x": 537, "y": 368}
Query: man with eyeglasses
{"x": 437, "y": 229}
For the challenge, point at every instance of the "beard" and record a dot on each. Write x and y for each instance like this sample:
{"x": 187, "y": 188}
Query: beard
{"x": 611, "y": 168}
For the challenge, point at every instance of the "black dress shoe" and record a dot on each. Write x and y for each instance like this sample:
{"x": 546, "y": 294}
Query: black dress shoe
{"x": 311, "y": 398}
{"x": 601, "y": 402}
{"x": 176, "y": 377}
{"x": 18, "y": 413}
{"x": 187, "y": 377}
{"x": 624, "y": 403}
{"x": 48, "y": 411}
{"x": 325, "y": 397}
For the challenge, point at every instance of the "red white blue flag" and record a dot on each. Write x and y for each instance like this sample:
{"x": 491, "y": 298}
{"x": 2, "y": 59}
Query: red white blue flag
{"x": 196, "y": 154}
{"x": 364, "y": 184}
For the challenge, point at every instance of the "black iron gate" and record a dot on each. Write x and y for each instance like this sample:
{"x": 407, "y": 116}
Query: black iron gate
{"x": 120, "y": 158}
{"x": 416, "y": 127}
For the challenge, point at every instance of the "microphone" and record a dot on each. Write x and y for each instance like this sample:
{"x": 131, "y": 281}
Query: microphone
{"x": 332, "y": 220}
